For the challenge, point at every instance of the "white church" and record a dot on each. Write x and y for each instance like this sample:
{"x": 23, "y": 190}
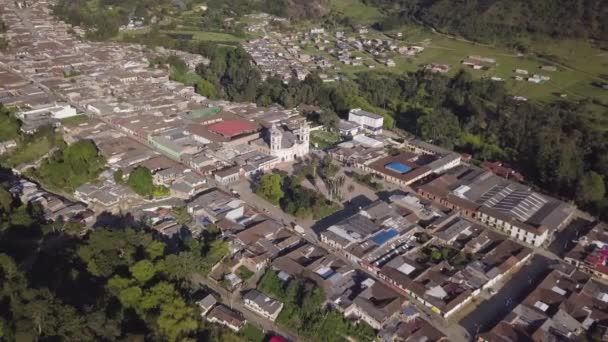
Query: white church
{"x": 286, "y": 140}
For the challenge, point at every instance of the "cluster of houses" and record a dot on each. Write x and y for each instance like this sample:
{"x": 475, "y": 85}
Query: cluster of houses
{"x": 142, "y": 119}
{"x": 274, "y": 59}
{"x": 38, "y": 108}
{"x": 190, "y": 60}
{"x": 424, "y": 252}
{"x": 260, "y": 22}
{"x": 522, "y": 74}
{"x": 456, "y": 231}
{"x": 566, "y": 306}
{"x": 382, "y": 50}
{"x": 462, "y": 231}
{"x": 491, "y": 195}
{"x": 260, "y": 243}
{"x": 590, "y": 254}
{"x": 55, "y": 208}
{"x": 218, "y": 313}
{"x": 283, "y": 55}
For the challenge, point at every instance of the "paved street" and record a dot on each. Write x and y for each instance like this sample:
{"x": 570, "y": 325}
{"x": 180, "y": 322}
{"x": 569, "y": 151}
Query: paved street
{"x": 566, "y": 239}
{"x": 491, "y": 311}
{"x": 483, "y": 317}
{"x": 235, "y": 302}
{"x": 454, "y": 332}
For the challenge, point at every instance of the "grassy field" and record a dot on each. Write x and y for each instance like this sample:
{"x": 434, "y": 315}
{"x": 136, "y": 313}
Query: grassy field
{"x": 324, "y": 139}
{"x": 29, "y": 152}
{"x": 356, "y": 9}
{"x": 244, "y": 273}
{"x": 196, "y": 35}
{"x": 75, "y": 120}
{"x": 208, "y": 36}
{"x": 579, "y": 63}
{"x": 9, "y": 127}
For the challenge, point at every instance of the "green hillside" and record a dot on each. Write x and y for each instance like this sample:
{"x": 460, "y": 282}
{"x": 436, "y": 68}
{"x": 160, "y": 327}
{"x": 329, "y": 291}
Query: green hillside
{"x": 489, "y": 20}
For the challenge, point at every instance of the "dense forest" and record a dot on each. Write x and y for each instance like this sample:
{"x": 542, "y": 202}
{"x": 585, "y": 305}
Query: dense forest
{"x": 489, "y": 20}
{"x": 117, "y": 284}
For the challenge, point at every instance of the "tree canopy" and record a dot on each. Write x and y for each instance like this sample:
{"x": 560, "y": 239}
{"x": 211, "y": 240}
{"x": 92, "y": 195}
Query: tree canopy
{"x": 304, "y": 311}
{"x": 269, "y": 187}
{"x": 507, "y": 20}
{"x": 72, "y": 166}
{"x": 9, "y": 125}
{"x": 134, "y": 288}
{"x": 142, "y": 182}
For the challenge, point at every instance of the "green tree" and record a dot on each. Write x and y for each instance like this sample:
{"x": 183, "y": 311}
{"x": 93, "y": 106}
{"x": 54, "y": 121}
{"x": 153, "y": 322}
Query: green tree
{"x": 6, "y": 201}
{"x": 116, "y": 284}
{"x": 159, "y": 294}
{"x": 130, "y": 297}
{"x": 329, "y": 168}
{"x": 181, "y": 215}
{"x": 155, "y": 250}
{"x": 142, "y": 271}
{"x": 107, "y": 250}
{"x": 436, "y": 255}
{"x": 440, "y": 127}
{"x": 103, "y": 326}
{"x": 271, "y": 285}
{"x": 591, "y": 188}
{"x": 73, "y": 166}
{"x": 330, "y": 120}
{"x": 118, "y": 176}
{"x": 181, "y": 266}
{"x": 206, "y": 89}
{"x": 270, "y": 188}
{"x": 9, "y": 125}
{"x": 293, "y": 292}
{"x": 176, "y": 319}
{"x": 141, "y": 181}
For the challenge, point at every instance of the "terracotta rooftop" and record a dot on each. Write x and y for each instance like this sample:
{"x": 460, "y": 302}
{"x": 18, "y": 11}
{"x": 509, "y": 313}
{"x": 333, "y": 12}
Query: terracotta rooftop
{"x": 231, "y": 128}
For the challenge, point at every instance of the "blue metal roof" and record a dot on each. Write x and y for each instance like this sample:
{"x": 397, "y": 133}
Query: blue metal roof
{"x": 384, "y": 236}
{"x": 398, "y": 167}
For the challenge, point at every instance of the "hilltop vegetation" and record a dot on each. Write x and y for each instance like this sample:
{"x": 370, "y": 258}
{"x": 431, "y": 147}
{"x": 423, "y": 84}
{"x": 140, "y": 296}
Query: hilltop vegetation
{"x": 135, "y": 289}
{"x": 9, "y": 125}
{"x": 141, "y": 181}
{"x": 72, "y": 166}
{"x": 480, "y": 20}
{"x": 103, "y": 18}
{"x": 506, "y": 20}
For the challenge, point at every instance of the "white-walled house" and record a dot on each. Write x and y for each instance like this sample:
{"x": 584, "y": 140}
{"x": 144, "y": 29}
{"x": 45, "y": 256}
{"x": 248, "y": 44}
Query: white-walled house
{"x": 56, "y": 111}
{"x": 369, "y": 121}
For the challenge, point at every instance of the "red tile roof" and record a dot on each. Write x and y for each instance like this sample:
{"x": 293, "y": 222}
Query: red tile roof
{"x": 231, "y": 128}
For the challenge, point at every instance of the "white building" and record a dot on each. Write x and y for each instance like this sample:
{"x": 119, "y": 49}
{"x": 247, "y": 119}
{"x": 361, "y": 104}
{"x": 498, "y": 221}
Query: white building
{"x": 262, "y": 304}
{"x": 369, "y": 121}
{"x": 289, "y": 143}
{"x": 56, "y": 111}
